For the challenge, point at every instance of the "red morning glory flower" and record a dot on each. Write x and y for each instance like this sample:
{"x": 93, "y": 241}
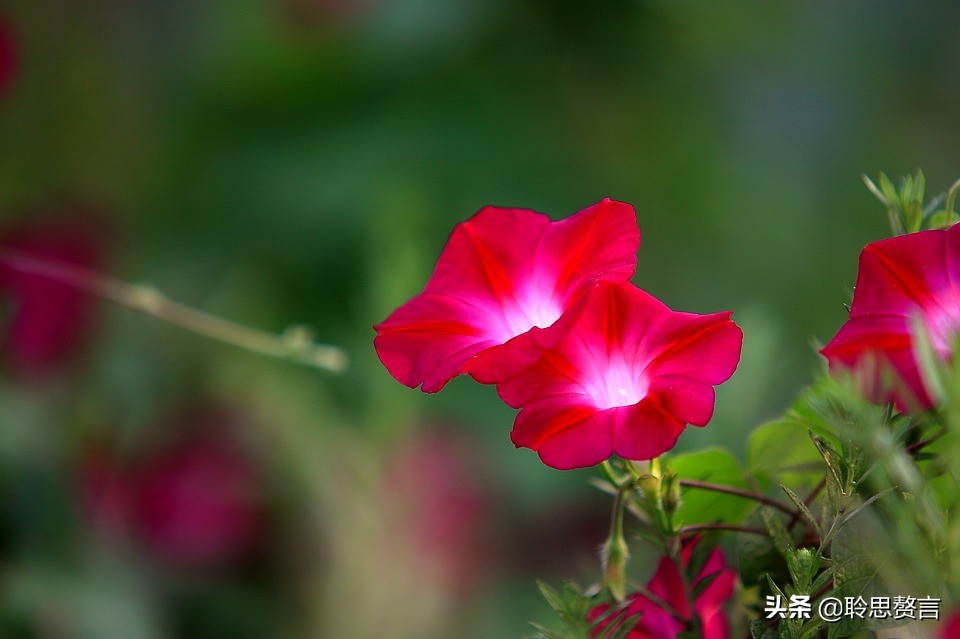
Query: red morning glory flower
{"x": 195, "y": 504}
{"x": 44, "y": 320}
{"x": 901, "y": 280}
{"x": 659, "y": 622}
{"x": 504, "y": 276}
{"x": 625, "y": 376}
{"x": 8, "y": 57}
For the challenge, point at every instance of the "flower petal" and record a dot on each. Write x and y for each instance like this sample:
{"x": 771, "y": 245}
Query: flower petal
{"x": 565, "y": 432}
{"x": 599, "y": 242}
{"x": 503, "y": 274}
{"x": 643, "y": 371}
{"x": 645, "y": 430}
{"x": 900, "y": 274}
{"x": 667, "y": 584}
{"x": 869, "y": 346}
{"x": 481, "y": 262}
{"x": 705, "y": 348}
{"x": 720, "y": 588}
{"x": 688, "y": 400}
{"x": 430, "y": 340}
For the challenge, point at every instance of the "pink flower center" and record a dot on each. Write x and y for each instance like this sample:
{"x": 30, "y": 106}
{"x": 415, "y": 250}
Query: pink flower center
{"x": 532, "y": 307}
{"x": 943, "y": 324}
{"x": 616, "y": 384}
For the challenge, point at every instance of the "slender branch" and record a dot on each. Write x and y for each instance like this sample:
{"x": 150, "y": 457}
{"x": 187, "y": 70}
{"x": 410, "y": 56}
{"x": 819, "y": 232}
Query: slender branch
{"x": 752, "y": 530}
{"x": 294, "y": 344}
{"x": 738, "y": 492}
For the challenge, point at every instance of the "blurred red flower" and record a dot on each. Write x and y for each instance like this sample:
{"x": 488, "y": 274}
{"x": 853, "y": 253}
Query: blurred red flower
{"x": 8, "y": 55}
{"x": 443, "y": 509}
{"x": 659, "y": 619}
{"x": 49, "y": 319}
{"x": 900, "y": 280}
{"x": 949, "y": 628}
{"x": 502, "y": 280}
{"x": 625, "y": 376}
{"x": 197, "y": 504}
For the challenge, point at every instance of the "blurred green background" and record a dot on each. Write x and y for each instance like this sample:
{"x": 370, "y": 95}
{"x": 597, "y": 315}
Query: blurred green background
{"x": 303, "y": 161}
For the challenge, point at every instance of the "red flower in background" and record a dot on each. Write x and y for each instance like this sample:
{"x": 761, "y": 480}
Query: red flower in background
{"x": 625, "y": 376}
{"x": 196, "y": 504}
{"x": 900, "y": 280}
{"x": 504, "y": 276}
{"x": 949, "y": 628}
{"x": 442, "y": 508}
{"x": 47, "y": 319}
{"x": 656, "y": 622}
{"x": 8, "y": 55}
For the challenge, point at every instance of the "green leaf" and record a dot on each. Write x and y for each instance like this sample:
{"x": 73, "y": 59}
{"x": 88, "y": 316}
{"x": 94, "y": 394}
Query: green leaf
{"x": 802, "y": 507}
{"x": 760, "y": 630}
{"x": 780, "y": 451}
{"x": 833, "y": 460}
{"x": 942, "y": 219}
{"x": 700, "y": 506}
{"x": 778, "y": 532}
{"x": 554, "y": 600}
{"x": 757, "y": 556}
{"x": 888, "y": 189}
{"x": 855, "y": 555}
{"x": 571, "y": 606}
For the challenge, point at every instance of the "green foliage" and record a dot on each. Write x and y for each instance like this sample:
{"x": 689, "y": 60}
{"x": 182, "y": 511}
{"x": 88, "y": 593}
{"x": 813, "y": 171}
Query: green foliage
{"x": 717, "y": 466}
{"x": 572, "y": 606}
{"x": 780, "y": 452}
{"x": 757, "y": 557}
{"x": 905, "y": 206}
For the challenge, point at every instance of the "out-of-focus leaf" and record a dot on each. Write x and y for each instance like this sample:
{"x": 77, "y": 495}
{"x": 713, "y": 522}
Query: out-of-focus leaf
{"x": 781, "y": 451}
{"x": 857, "y": 553}
{"x": 698, "y": 506}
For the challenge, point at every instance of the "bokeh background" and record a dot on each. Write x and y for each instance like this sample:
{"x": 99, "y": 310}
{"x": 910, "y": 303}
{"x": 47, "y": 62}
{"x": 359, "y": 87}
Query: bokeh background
{"x": 280, "y": 162}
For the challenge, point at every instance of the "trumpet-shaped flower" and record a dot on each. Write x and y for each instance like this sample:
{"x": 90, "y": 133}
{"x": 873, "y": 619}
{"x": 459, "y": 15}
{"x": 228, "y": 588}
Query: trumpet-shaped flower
{"x": 669, "y": 616}
{"x": 625, "y": 376}
{"x": 901, "y": 281}
{"x": 503, "y": 279}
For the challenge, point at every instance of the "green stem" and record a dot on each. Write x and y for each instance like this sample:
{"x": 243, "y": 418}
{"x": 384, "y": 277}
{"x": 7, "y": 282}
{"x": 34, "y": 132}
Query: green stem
{"x": 607, "y": 469}
{"x": 294, "y": 344}
{"x": 616, "y": 551}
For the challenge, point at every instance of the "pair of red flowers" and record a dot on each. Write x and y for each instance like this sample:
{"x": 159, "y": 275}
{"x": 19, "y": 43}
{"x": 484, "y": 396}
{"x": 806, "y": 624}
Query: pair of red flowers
{"x": 545, "y": 311}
